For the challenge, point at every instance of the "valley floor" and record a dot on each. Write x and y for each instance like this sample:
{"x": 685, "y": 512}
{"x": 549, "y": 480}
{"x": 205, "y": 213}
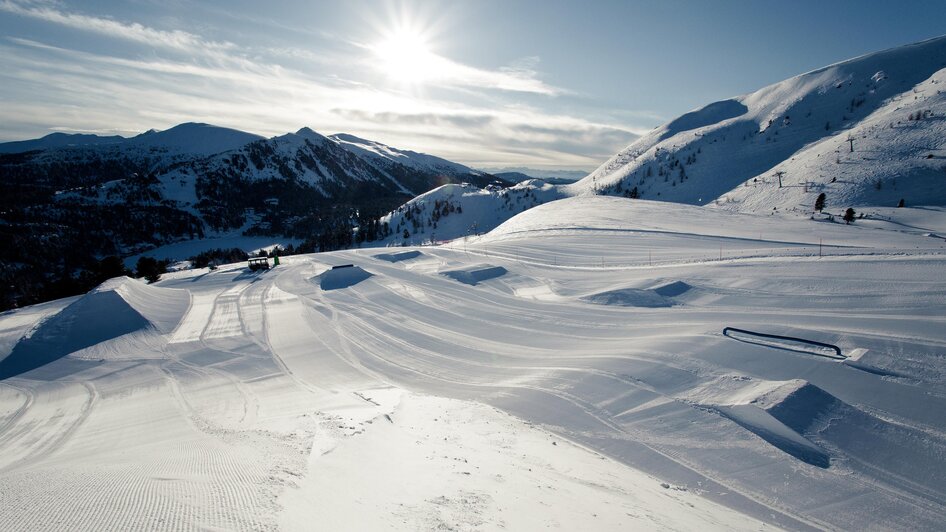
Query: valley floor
{"x": 568, "y": 370}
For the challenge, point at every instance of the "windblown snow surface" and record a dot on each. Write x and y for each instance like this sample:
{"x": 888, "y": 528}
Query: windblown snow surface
{"x": 566, "y": 370}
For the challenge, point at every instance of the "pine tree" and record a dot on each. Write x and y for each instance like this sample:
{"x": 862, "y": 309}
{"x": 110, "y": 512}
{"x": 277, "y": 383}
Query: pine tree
{"x": 150, "y": 268}
{"x": 819, "y": 203}
{"x": 849, "y": 215}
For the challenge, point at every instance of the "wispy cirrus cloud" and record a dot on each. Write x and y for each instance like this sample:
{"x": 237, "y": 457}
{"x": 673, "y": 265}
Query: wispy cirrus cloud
{"x": 135, "y": 32}
{"x": 63, "y": 87}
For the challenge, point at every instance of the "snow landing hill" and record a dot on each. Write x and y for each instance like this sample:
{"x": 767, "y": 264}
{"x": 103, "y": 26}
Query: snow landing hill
{"x": 889, "y": 106}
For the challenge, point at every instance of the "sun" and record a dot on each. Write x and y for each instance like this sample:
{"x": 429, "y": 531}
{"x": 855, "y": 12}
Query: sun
{"x": 405, "y": 56}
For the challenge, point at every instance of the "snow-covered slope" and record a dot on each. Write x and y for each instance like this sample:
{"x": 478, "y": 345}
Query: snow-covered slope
{"x": 454, "y": 211}
{"x": 384, "y": 155}
{"x": 731, "y": 153}
{"x": 569, "y": 369}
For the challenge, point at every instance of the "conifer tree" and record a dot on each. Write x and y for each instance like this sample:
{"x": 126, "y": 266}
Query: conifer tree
{"x": 849, "y": 215}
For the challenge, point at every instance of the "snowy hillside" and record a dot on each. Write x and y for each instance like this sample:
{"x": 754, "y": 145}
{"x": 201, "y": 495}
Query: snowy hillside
{"x": 454, "y": 211}
{"x": 304, "y": 156}
{"x": 890, "y": 106}
{"x": 384, "y": 155}
{"x": 731, "y": 153}
{"x": 593, "y": 363}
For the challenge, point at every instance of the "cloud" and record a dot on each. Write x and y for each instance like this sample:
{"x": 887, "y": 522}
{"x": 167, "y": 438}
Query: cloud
{"x": 506, "y": 78}
{"x": 412, "y": 62}
{"x": 176, "y": 39}
{"x": 49, "y": 87}
{"x": 482, "y": 137}
{"x": 453, "y": 120}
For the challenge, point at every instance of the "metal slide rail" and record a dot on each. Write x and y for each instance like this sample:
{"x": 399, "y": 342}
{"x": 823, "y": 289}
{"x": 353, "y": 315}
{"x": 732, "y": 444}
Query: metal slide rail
{"x": 836, "y": 349}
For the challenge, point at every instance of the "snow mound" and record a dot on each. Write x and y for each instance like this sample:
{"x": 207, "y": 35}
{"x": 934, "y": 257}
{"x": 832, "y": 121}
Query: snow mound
{"x": 672, "y": 289}
{"x": 798, "y": 404}
{"x": 630, "y": 297}
{"x": 477, "y": 274}
{"x": 779, "y": 412}
{"x": 657, "y": 297}
{"x": 339, "y": 277}
{"x": 398, "y": 257}
{"x": 116, "y": 308}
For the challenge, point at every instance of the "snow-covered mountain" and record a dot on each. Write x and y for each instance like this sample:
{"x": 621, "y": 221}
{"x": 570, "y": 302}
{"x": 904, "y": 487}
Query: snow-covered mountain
{"x": 194, "y": 139}
{"x": 890, "y": 106}
{"x": 59, "y": 140}
{"x": 90, "y": 197}
{"x": 296, "y": 155}
{"x": 555, "y": 177}
{"x": 868, "y": 131}
{"x": 384, "y": 155}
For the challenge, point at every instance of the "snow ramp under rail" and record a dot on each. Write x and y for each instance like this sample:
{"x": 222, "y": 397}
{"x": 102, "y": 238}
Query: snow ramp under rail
{"x": 789, "y": 343}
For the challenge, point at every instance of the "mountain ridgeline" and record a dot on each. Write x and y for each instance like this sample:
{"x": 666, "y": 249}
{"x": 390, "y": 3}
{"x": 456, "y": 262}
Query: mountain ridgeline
{"x": 70, "y": 200}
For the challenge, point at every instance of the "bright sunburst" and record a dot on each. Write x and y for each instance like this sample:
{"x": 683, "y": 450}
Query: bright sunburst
{"x": 405, "y": 56}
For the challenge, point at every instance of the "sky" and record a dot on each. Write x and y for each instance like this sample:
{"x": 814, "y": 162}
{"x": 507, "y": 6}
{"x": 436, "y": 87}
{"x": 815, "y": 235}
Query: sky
{"x": 489, "y": 83}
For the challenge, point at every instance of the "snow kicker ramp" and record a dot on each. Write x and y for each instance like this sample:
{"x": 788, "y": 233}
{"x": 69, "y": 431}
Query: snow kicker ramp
{"x": 814, "y": 426}
{"x": 118, "y": 307}
{"x": 398, "y": 257}
{"x": 475, "y": 275}
{"x": 659, "y": 297}
{"x": 339, "y": 277}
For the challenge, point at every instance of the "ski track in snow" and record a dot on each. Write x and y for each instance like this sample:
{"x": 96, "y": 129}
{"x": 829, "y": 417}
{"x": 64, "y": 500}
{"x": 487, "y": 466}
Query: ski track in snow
{"x": 274, "y": 403}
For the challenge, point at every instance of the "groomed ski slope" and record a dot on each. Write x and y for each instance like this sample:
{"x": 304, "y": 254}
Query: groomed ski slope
{"x": 566, "y": 370}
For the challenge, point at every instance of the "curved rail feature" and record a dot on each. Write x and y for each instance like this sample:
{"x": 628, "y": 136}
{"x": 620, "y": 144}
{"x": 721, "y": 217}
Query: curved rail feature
{"x": 789, "y": 343}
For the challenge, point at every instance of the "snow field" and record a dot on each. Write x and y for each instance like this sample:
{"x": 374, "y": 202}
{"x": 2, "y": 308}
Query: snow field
{"x": 282, "y": 403}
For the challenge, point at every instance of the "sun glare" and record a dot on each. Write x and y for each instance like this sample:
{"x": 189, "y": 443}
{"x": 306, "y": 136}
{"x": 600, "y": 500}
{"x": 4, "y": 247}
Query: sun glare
{"x": 406, "y": 57}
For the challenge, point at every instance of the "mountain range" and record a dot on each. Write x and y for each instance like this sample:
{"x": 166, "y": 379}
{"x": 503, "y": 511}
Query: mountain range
{"x": 860, "y": 133}
{"x": 71, "y": 200}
